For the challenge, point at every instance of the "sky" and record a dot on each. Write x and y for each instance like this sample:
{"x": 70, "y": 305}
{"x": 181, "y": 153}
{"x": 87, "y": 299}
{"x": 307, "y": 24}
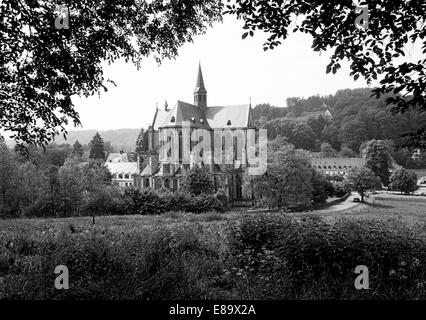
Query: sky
{"x": 234, "y": 70}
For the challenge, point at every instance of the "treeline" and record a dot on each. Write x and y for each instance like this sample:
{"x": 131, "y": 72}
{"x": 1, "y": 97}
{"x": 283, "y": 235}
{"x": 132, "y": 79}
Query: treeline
{"x": 356, "y": 117}
{"x": 65, "y": 181}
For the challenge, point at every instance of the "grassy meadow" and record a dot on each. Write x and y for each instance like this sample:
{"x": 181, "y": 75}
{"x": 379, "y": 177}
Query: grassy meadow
{"x": 234, "y": 255}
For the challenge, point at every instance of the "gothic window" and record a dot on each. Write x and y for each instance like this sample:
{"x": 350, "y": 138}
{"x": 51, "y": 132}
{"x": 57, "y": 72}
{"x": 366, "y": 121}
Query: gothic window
{"x": 228, "y": 123}
{"x": 235, "y": 148}
{"x": 180, "y": 145}
{"x": 173, "y": 119}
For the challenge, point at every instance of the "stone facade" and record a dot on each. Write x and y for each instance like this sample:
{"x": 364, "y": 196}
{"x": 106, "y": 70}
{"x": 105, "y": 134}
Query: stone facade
{"x": 227, "y": 128}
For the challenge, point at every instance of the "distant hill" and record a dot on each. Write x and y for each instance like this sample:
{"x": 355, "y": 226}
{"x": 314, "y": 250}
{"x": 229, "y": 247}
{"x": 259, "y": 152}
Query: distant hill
{"x": 120, "y": 139}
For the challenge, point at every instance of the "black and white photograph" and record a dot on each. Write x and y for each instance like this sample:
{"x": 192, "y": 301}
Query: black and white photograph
{"x": 212, "y": 155}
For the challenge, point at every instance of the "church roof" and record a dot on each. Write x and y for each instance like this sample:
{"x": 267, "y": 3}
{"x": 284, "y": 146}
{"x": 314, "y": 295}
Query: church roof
{"x": 228, "y": 116}
{"x": 185, "y": 114}
{"x": 159, "y": 118}
{"x": 188, "y": 115}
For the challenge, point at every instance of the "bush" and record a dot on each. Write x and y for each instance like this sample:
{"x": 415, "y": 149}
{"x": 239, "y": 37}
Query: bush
{"x": 104, "y": 201}
{"x": 105, "y": 265}
{"x": 339, "y": 189}
{"x": 151, "y": 202}
{"x": 204, "y": 203}
{"x": 289, "y": 258}
{"x": 198, "y": 181}
{"x": 223, "y": 198}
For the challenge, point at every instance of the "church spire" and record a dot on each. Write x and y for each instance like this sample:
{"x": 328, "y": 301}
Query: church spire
{"x": 200, "y": 93}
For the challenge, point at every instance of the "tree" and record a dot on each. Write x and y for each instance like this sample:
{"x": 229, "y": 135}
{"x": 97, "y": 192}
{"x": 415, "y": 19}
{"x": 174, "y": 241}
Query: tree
{"x": 361, "y": 180}
{"x": 97, "y": 151}
{"x": 353, "y": 133}
{"x": 71, "y": 187}
{"x": 321, "y": 187}
{"x": 8, "y": 180}
{"x": 372, "y": 50}
{"x": 77, "y": 149}
{"x": 287, "y": 182}
{"x": 330, "y": 134}
{"x": 378, "y": 158}
{"x": 198, "y": 181}
{"x": 327, "y": 151}
{"x": 95, "y": 175}
{"x": 45, "y": 61}
{"x": 302, "y": 136}
{"x": 141, "y": 142}
{"x": 403, "y": 181}
{"x": 33, "y": 189}
{"x": 346, "y": 153}
{"x": 317, "y": 124}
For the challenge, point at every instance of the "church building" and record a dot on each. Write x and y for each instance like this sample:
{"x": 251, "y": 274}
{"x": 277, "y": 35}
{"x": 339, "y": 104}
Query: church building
{"x": 228, "y": 124}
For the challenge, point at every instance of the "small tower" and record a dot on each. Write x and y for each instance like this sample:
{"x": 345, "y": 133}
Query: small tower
{"x": 200, "y": 93}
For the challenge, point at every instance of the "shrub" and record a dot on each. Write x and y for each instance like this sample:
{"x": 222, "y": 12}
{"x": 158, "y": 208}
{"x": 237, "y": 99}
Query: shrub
{"x": 104, "y": 201}
{"x": 204, "y": 203}
{"x": 151, "y": 202}
{"x": 290, "y": 258}
{"x": 162, "y": 264}
{"x": 403, "y": 181}
{"x": 339, "y": 189}
{"x": 223, "y": 198}
{"x": 198, "y": 181}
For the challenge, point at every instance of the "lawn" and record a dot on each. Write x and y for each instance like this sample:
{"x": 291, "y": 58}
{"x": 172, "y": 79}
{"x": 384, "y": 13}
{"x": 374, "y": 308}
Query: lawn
{"x": 408, "y": 209}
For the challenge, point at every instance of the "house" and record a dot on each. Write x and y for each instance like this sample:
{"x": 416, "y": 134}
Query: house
{"x": 123, "y": 172}
{"x": 336, "y": 166}
{"x": 197, "y": 134}
{"x": 122, "y": 169}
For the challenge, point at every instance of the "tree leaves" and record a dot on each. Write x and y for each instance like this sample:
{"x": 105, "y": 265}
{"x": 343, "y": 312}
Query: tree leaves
{"x": 393, "y": 26}
{"x": 42, "y": 68}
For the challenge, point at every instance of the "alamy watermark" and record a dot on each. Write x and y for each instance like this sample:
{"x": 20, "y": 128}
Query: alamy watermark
{"x": 361, "y": 21}
{"x": 237, "y": 147}
{"x": 62, "y": 20}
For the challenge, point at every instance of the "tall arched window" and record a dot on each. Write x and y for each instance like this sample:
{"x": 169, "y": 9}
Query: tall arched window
{"x": 167, "y": 183}
{"x": 235, "y": 144}
{"x": 180, "y": 146}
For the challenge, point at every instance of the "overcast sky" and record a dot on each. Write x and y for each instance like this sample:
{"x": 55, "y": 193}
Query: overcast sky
{"x": 233, "y": 69}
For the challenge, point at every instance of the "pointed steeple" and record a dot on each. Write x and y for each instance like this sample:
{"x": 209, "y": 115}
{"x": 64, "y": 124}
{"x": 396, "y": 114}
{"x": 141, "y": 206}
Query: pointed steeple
{"x": 199, "y": 86}
{"x": 200, "y": 93}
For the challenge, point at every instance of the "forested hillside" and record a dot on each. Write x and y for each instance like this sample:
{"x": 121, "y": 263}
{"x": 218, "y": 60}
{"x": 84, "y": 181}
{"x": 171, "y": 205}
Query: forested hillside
{"x": 356, "y": 117}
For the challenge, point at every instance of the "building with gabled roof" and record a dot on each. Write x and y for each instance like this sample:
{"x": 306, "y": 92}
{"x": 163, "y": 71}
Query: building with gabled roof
{"x": 157, "y": 171}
